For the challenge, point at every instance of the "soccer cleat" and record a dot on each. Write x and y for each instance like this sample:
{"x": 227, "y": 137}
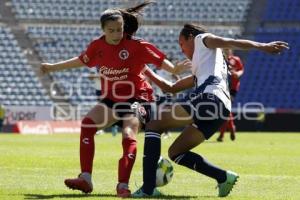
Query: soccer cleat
{"x": 220, "y": 139}
{"x": 226, "y": 187}
{"x": 79, "y": 184}
{"x": 140, "y": 194}
{"x": 232, "y": 137}
{"x": 123, "y": 191}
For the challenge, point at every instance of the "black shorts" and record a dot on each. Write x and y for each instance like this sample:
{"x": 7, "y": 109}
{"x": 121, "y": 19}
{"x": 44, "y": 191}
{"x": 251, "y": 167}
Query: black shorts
{"x": 167, "y": 99}
{"x": 207, "y": 110}
{"x": 140, "y": 108}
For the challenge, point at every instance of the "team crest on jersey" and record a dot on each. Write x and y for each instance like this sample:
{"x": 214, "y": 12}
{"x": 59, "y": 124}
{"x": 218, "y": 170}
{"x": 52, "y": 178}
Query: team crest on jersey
{"x": 124, "y": 54}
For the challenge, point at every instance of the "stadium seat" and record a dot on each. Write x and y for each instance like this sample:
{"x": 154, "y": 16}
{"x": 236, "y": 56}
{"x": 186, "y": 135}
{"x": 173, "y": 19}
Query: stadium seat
{"x": 16, "y": 75}
{"x": 278, "y": 74}
{"x": 166, "y": 10}
{"x": 282, "y": 11}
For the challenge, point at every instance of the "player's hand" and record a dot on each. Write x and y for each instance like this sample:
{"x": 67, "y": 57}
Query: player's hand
{"x": 182, "y": 66}
{"x": 275, "y": 47}
{"x": 45, "y": 68}
{"x": 234, "y": 74}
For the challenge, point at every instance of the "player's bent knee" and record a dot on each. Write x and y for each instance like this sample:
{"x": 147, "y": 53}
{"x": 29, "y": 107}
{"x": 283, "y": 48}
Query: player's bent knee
{"x": 128, "y": 134}
{"x": 130, "y": 131}
{"x": 173, "y": 156}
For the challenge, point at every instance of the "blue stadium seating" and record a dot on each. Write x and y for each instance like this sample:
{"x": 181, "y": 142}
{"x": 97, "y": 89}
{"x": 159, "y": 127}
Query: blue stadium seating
{"x": 19, "y": 84}
{"x": 62, "y": 9}
{"x": 273, "y": 80}
{"x": 199, "y": 10}
{"x": 282, "y": 11}
{"x": 163, "y": 10}
{"x": 61, "y": 42}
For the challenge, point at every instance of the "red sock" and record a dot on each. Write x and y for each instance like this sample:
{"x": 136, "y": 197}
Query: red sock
{"x": 127, "y": 161}
{"x": 223, "y": 129}
{"x": 231, "y": 125}
{"x": 87, "y": 145}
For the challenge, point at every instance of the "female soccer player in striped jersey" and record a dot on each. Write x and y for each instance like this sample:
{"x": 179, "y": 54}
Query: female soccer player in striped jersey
{"x": 202, "y": 112}
{"x": 121, "y": 59}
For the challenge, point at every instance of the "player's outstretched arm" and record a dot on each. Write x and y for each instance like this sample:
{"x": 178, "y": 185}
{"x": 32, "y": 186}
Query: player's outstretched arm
{"x": 178, "y": 68}
{"x": 276, "y": 47}
{"x": 183, "y": 84}
{"x": 67, "y": 64}
{"x": 162, "y": 83}
{"x": 167, "y": 86}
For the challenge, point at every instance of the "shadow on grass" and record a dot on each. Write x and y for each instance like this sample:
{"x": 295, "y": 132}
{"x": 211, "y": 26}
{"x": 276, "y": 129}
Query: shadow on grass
{"x": 52, "y": 196}
{"x": 213, "y": 142}
{"x": 66, "y": 196}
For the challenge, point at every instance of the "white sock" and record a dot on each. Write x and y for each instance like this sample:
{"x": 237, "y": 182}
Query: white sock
{"x": 123, "y": 185}
{"x": 87, "y": 177}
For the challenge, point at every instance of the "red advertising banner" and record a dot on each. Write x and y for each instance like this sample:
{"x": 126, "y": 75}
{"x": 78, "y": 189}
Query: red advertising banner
{"x": 47, "y": 127}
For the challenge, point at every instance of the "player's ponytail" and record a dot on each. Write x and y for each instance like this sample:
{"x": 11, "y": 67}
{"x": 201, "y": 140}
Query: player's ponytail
{"x": 131, "y": 17}
{"x": 192, "y": 30}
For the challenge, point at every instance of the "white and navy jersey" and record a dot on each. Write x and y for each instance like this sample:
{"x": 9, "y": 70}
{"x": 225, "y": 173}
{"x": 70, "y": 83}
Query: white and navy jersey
{"x": 210, "y": 70}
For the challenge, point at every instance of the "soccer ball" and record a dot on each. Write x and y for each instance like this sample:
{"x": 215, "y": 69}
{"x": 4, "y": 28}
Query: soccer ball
{"x": 164, "y": 172}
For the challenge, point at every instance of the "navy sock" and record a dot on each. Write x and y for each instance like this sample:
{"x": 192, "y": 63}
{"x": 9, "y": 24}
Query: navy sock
{"x": 199, "y": 164}
{"x": 151, "y": 156}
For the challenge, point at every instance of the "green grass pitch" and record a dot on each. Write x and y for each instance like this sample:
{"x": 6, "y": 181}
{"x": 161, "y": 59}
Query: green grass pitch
{"x": 34, "y": 167}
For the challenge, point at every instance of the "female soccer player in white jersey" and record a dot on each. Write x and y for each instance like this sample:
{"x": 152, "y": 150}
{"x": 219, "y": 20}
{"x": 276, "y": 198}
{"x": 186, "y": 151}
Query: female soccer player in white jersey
{"x": 202, "y": 112}
{"x": 121, "y": 59}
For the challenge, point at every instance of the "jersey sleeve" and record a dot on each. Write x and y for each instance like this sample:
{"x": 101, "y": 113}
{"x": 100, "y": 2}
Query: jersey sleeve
{"x": 150, "y": 54}
{"x": 199, "y": 39}
{"x": 88, "y": 57}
